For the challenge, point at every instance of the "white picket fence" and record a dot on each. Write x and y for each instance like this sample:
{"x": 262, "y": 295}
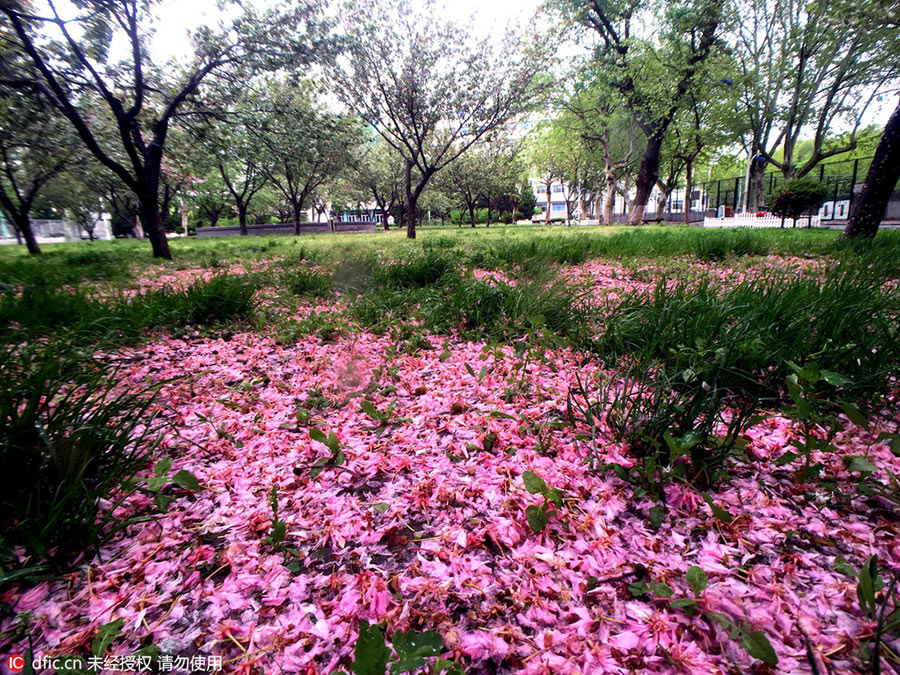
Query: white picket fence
{"x": 753, "y": 221}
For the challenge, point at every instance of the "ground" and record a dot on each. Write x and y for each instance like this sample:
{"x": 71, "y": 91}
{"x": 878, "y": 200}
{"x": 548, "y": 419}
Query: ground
{"x": 423, "y": 523}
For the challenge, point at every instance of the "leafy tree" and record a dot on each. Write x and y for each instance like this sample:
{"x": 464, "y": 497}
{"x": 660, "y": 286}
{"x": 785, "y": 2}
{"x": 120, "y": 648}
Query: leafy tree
{"x": 596, "y": 114}
{"x": 805, "y": 67}
{"x": 653, "y": 78}
{"x": 428, "y": 88}
{"x": 527, "y": 202}
{"x": 380, "y": 175}
{"x": 68, "y": 63}
{"x": 35, "y": 146}
{"x": 304, "y": 147}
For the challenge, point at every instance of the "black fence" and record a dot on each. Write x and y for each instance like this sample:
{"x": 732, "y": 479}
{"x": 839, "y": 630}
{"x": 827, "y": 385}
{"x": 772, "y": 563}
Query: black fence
{"x": 843, "y": 178}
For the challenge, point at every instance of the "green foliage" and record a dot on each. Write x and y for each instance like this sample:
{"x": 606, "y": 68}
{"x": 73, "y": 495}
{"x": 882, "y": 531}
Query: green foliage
{"x": 795, "y": 197}
{"x": 278, "y": 533}
{"x": 677, "y": 427}
{"x": 372, "y": 656}
{"x": 69, "y": 439}
{"x": 879, "y": 602}
{"x": 307, "y": 282}
{"x": 155, "y": 484}
{"x": 538, "y": 515}
{"x": 527, "y": 202}
{"x": 741, "y": 338}
{"x": 331, "y": 442}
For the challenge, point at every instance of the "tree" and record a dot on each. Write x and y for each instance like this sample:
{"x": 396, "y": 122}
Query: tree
{"x": 380, "y": 174}
{"x": 526, "y": 201}
{"x": 882, "y": 178}
{"x": 466, "y": 179}
{"x": 304, "y": 147}
{"x": 137, "y": 102}
{"x": 35, "y": 146}
{"x": 608, "y": 134}
{"x": 805, "y": 67}
{"x": 651, "y": 78}
{"x": 428, "y": 88}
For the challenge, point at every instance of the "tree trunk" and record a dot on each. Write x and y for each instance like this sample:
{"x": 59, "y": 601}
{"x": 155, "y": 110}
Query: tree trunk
{"x": 610, "y": 199}
{"x": 296, "y": 215}
{"x": 23, "y": 225}
{"x": 151, "y": 220}
{"x": 471, "y": 208}
{"x": 647, "y": 177}
{"x": 547, "y": 215}
{"x": 688, "y": 188}
{"x": 869, "y": 208}
{"x": 411, "y": 209}
{"x": 242, "y": 219}
{"x": 489, "y": 214}
{"x": 756, "y": 197}
{"x": 384, "y": 218}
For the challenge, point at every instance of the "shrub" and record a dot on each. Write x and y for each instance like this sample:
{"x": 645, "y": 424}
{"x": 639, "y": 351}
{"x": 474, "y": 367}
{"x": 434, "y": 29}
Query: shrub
{"x": 795, "y": 197}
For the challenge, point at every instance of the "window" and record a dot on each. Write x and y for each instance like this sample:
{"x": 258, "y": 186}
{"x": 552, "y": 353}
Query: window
{"x": 558, "y": 208}
{"x": 557, "y": 188}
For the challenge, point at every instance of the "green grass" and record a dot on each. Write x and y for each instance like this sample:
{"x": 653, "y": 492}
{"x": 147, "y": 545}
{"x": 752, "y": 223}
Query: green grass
{"x": 749, "y": 332}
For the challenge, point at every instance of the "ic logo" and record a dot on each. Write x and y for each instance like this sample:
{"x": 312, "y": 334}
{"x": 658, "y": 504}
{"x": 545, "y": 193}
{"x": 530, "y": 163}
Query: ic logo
{"x": 15, "y": 662}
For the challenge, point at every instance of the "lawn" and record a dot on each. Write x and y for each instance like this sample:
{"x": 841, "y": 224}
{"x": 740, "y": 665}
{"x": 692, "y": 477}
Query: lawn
{"x": 596, "y": 450}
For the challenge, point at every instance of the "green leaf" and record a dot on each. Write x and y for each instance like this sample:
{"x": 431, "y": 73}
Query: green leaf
{"x": 840, "y": 565}
{"x": 697, "y": 580}
{"x": 318, "y": 435}
{"x": 482, "y": 373}
{"x": 834, "y": 379}
{"x": 279, "y": 532}
{"x": 381, "y": 507}
{"x": 156, "y": 482}
{"x": 868, "y": 584}
{"x": 162, "y": 466}
{"x": 370, "y": 654}
{"x": 107, "y": 635}
{"x": 469, "y": 370}
{"x": 534, "y": 483}
{"x": 855, "y": 415}
{"x": 371, "y": 410}
{"x": 786, "y": 458}
{"x": 892, "y": 441}
{"x": 663, "y": 590}
{"x": 683, "y": 603}
{"x": 555, "y": 496}
{"x": 185, "y": 479}
{"x": 162, "y": 502}
{"x": 332, "y": 442}
{"x": 413, "y": 648}
{"x": 758, "y": 646}
{"x": 536, "y": 517}
{"x": 718, "y": 511}
{"x": 656, "y": 516}
{"x": 857, "y": 463}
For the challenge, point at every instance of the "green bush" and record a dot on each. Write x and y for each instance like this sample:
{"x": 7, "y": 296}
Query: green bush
{"x": 795, "y": 197}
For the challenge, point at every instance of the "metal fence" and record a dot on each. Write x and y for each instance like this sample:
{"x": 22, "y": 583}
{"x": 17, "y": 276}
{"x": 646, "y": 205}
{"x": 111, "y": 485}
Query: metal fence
{"x": 725, "y": 196}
